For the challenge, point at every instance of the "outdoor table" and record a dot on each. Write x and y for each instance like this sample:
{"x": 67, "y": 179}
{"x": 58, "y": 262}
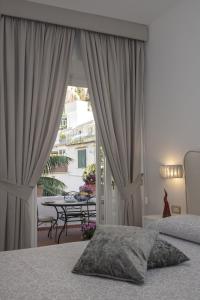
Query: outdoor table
{"x": 64, "y": 205}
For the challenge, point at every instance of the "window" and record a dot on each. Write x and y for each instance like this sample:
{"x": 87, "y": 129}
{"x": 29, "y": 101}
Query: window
{"x": 62, "y": 152}
{"x": 63, "y": 122}
{"x": 82, "y": 158}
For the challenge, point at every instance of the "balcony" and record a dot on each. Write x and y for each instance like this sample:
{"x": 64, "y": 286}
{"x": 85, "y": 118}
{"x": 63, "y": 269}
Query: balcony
{"x": 74, "y": 139}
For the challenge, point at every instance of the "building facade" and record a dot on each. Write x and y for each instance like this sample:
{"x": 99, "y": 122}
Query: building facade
{"x": 76, "y": 139}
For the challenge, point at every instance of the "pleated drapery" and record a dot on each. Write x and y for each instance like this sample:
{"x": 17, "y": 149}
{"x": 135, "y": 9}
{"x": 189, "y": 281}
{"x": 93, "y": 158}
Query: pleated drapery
{"x": 114, "y": 68}
{"x": 34, "y": 59}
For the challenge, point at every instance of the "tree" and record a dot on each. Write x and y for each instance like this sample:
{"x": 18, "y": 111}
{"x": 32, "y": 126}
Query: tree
{"x": 52, "y": 186}
{"x": 82, "y": 93}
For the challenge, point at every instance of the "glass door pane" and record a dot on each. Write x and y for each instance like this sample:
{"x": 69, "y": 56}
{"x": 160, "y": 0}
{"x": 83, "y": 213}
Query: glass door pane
{"x": 107, "y": 193}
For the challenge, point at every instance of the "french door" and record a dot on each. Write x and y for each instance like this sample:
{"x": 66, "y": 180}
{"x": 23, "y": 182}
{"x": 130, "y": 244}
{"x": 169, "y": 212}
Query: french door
{"x": 107, "y": 194}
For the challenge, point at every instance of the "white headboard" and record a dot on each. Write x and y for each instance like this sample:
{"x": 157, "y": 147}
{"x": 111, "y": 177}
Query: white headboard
{"x": 192, "y": 182}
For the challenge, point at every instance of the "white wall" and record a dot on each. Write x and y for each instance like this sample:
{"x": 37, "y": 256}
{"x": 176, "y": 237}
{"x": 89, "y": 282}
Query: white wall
{"x": 73, "y": 178}
{"x": 172, "y": 113}
{"x": 78, "y": 113}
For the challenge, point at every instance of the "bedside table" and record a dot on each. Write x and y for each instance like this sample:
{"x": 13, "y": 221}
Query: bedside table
{"x": 149, "y": 219}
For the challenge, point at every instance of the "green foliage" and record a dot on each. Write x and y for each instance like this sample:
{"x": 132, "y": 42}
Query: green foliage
{"x": 56, "y": 161}
{"x": 82, "y": 93}
{"x": 90, "y": 169}
{"x": 89, "y": 174}
{"x": 62, "y": 136}
{"x": 51, "y": 186}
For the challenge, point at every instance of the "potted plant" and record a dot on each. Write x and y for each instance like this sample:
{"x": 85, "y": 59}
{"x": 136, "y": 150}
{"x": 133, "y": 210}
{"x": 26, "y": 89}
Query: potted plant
{"x": 88, "y": 230}
{"x": 62, "y": 137}
{"x": 50, "y": 186}
{"x": 89, "y": 177}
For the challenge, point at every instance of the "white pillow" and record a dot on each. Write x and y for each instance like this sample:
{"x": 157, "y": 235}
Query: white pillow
{"x": 185, "y": 227}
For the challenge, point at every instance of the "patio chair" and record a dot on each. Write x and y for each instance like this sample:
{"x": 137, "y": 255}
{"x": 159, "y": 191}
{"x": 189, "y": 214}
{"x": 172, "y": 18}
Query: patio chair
{"x": 74, "y": 213}
{"x": 90, "y": 211}
{"x": 45, "y": 220}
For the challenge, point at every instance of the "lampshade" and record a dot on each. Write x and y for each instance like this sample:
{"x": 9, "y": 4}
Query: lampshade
{"x": 171, "y": 171}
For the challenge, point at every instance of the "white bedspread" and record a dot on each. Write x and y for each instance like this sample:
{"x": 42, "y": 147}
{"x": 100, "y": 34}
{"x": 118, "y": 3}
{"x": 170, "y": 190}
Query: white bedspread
{"x": 45, "y": 273}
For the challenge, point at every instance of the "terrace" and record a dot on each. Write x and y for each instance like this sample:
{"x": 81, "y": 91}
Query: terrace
{"x": 72, "y": 229}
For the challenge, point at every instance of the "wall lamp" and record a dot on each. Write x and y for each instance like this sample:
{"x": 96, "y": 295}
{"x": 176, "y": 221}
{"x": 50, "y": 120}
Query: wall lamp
{"x": 171, "y": 171}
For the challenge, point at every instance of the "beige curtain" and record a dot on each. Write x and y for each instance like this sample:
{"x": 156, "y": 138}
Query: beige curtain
{"x": 114, "y": 68}
{"x": 34, "y": 60}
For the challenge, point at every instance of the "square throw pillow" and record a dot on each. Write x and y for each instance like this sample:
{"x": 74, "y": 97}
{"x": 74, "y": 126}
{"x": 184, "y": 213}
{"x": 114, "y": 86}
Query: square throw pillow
{"x": 163, "y": 254}
{"x": 117, "y": 252}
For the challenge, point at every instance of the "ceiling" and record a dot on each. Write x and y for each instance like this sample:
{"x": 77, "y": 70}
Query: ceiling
{"x": 140, "y": 11}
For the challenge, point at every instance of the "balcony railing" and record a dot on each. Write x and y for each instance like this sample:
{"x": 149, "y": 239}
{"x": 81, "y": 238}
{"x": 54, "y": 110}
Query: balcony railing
{"x": 79, "y": 139}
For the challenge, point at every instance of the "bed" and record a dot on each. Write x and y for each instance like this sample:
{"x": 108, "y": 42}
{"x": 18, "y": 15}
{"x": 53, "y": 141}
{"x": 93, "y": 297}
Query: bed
{"x": 45, "y": 273}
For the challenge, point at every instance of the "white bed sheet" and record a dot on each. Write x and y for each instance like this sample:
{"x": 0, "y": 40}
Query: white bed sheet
{"x": 45, "y": 273}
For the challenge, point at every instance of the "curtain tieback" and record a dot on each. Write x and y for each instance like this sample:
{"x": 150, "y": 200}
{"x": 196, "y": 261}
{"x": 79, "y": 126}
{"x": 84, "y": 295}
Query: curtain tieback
{"x": 132, "y": 187}
{"x": 18, "y": 190}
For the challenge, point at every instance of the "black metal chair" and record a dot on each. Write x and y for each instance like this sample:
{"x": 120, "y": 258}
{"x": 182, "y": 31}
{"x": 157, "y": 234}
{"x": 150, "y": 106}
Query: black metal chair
{"x": 74, "y": 213}
{"x": 69, "y": 214}
{"x": 90, "y": 211}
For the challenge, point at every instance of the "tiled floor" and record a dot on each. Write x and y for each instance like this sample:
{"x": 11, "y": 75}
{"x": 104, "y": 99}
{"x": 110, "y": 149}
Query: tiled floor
{"x": 74, "y": 235}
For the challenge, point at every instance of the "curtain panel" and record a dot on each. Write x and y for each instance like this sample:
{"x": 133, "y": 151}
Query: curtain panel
{"x": 114, "y": 68}
{"x": 34, "y": 60}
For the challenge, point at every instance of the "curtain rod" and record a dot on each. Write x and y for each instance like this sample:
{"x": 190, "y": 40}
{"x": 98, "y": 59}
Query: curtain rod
{"x": 63, "y": 26}
{"x": 73, "y": 19}
{"x": 37, "y": 21}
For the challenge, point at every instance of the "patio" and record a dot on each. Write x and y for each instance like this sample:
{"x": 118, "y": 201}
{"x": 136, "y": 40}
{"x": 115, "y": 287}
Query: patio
{"x": 74, "y": 235}
{"x": 48, "y": 206}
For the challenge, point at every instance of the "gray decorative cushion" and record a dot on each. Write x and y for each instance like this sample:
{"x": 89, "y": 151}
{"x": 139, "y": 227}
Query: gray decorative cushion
{"x": 185, "y": 227}
{"x": 163, "y": 254}
{"x": 117, "y": 252}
